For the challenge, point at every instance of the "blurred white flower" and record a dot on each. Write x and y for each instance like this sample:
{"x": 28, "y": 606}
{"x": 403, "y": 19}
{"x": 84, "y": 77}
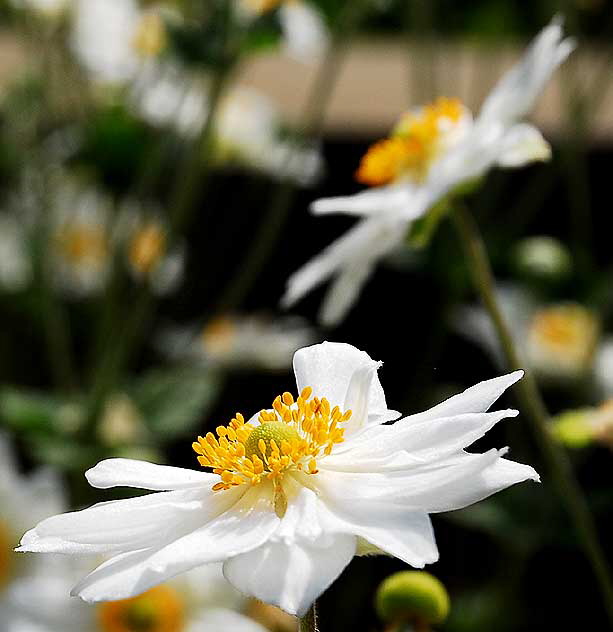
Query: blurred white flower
{"x": 299, "y": 490}
{"x": 239, "y": 341}
{"x": 15, "y": 262}
{"x": 558, "y": 341}
{"x": 431, "y": 151}
{"x": 114, "y": 39}
{"x": 247, "y": 127}
{"x": 23, "y": 501}
{"x": 149, "y": 256}
{"x": 603, "y": 367}
{"x": 585, "y": 426}
{"x": 81, "y": 238}
{"x": 202, "y": 599}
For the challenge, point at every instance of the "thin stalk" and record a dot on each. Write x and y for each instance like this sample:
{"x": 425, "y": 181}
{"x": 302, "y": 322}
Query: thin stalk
{"x": 308, "y": 623}
{"x": 309, "y": 128}
{"x": 556, "y": 460}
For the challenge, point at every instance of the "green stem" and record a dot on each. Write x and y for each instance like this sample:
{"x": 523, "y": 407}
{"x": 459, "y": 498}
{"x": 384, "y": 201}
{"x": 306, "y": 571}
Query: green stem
{"x": 556, "y": 460}
{"x": 309, "y": 128}
{"x": 308, "y": 623}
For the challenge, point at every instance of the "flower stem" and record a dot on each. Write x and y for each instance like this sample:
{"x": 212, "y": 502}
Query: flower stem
{"x": 309, "y": 128}
{"x": 557, "y": 462}
{"x": 308, "y": 623}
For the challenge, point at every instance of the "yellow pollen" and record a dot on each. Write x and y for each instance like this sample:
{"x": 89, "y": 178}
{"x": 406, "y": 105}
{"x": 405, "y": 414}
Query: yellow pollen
{"x": 147, "y": 248}
{"x": 290, "y": 436}
{"x": 414, "y": 143}
{"x": 158, "y": 610}
{"x": 6, "y": 555}
{"x": 83, "y": 243}
{"x": 150, "y": 37}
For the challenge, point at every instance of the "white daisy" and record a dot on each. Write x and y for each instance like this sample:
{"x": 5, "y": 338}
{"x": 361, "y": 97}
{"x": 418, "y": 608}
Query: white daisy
{"x": 295, "y": 492}
{"x": 430, "y": 152}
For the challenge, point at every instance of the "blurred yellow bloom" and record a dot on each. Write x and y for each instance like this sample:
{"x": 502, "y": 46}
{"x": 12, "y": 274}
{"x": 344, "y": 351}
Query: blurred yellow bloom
{"x": 6, "y": 554}
{"x": 219, "y": 335}
{"x": 563, "y": 337}
{"x": 160, "y": 609}
{"x": 147, "y": 247}
{"x": 82, "y": 244}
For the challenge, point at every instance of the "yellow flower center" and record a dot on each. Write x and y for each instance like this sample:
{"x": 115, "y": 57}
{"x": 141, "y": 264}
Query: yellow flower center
{"x": 79, "y": 244}
{"x": 150, "y": 37}
{"x": 569, "y": 331}
{"x": 261, "y": 6}
{"x": 147, "y": 247}
{"x": 291, "y": 436}
{"x": 158, "y": 610}
{"x": 414, "y": 143}
{"x": 6, "y": 555}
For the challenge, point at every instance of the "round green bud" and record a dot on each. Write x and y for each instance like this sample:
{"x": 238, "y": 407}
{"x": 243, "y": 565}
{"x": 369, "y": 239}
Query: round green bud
{"x": 271, "y": 430}
{"x": 573, "y": 428}
{"x": 411, "y": 596}
{"x": 542, "y": 259}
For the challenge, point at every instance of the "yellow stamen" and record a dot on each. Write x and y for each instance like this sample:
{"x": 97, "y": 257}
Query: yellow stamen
{"x": 147, "y": 247}
{"x": 158, "y": 610}
{"x": 414, "y": 143}
{"x": 291, "y": 436}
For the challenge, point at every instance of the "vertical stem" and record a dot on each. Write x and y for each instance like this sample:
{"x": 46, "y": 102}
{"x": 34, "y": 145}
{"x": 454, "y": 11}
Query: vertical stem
{"x": 310, "y": 127}
{"x": 308, "y": 623}
{"x": 556, "y": 460}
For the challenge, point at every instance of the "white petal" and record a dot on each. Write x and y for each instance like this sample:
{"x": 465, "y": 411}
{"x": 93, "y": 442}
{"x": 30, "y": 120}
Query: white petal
{"x": 516, "y": 92}
{"x": 304, "y": 30}
{"x": 523, "y": 144}
{"x": 344, "y": 293}
{"x": 144, "y": 475}
{"x": 369, "y": 202}
{"x": 247, "y": 524}
{"x": 421, "y": 442}
{"x": 222, "y": 620}
{"x": 390, "y": 527}
{"x": 476, "y": 399}
{"x": 291, "y": 576}
{"x": 340, "y": 373}
{"x": 121, "y": 525}
{"x": 462, "y": 480}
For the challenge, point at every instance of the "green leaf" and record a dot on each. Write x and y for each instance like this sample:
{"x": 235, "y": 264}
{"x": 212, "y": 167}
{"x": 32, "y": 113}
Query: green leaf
{"x": 66, "y": 455}
{"x": 172, "y": 402}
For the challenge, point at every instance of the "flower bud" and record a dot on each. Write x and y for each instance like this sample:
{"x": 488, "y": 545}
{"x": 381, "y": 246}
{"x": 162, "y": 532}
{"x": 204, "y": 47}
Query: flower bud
{"x": 573, "y": 428}
{"x": 542, "y": 259}
{"x": 412, "y": 596}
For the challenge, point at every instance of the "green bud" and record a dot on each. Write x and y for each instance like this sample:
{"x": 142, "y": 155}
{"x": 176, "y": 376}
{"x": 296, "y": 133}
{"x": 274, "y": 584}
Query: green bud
{"x": 542, "y": 259}
{"x": 573, "y": 428}
{"x": 411, "y": 596}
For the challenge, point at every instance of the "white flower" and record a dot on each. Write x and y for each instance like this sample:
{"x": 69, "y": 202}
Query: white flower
{"x": 239, "y": 341}
{"x": 201, "y": 599}
{"x": 430, "y": 152}
{"x": 23, "y": 501}
{"x": 603, "y": 367}
{"x": 305, "y": 35}
{"x": 46, "y": 8}
{"x": 114, "y": 38}
{"x": 558, "y": 341}
{"x": 80, "y": 240}
{"x": 301, "y": 488}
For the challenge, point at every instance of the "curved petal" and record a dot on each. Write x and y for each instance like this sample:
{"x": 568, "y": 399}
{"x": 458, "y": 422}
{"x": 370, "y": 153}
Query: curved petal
{"x": 143, "y": 475}
{"x": 291, "y": 576}
{"x": 521, "y": 145}
{"x": 121, "y": 525}
{"x": 515, "y": 93}
{"x": 344, "y": 375}
{"x": 245, "y": 525}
